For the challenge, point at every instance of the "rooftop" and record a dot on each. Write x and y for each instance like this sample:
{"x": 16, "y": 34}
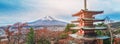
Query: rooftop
{"x": 89, "y": 28}
{"x": 87, "y": 11}
{"x": 88, "y": 38}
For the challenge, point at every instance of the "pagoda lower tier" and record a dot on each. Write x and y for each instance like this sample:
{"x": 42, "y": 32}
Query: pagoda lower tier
{"x": 88, "y": 38}
{"x": 89, "y": 31}
{"x": 89, "y": 28}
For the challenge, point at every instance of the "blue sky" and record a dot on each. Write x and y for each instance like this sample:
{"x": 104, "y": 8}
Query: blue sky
{"x": 12, "y": 11}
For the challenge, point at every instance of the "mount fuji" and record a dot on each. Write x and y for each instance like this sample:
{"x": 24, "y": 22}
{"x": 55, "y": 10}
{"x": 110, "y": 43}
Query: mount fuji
{"x": 48, "y": 21}
{"x": 51, "y": 23}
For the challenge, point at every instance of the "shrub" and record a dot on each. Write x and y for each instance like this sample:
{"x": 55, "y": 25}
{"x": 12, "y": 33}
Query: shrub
{"x": 99, "y": 32}
{"x": 43, "y": 40}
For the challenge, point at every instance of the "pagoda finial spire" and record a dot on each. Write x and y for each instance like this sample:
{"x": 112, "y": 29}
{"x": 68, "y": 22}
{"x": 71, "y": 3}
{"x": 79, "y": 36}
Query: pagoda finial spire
{"x": 85, "y": 4}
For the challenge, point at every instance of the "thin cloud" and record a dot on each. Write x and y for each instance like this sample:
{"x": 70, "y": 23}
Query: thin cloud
{"x": 35, "y": 9}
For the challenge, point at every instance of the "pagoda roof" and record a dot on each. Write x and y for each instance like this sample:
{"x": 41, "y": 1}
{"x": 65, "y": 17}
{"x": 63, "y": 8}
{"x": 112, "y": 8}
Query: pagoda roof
{"x": 87, "y": 11}
{"x": 89, "y": 28}
{"x": 88, "y": 19}
{"x": 4, "y": 39}
{"x": 88, "y": 38}
{"x": 76, "y": 21}
{"x": 93, "y": 19}
{"x": 96, "y": 28}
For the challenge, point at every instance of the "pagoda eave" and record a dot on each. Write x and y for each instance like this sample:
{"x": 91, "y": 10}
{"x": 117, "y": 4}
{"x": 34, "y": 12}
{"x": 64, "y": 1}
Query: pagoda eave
{"x": 91, "y": 19}
{"x": 87, "y": 11}
{"x": 89, "y": 28}
{"x": 88, "y": 38}
{"x": 77, "y": 21}
{"x": 94, "y": 28}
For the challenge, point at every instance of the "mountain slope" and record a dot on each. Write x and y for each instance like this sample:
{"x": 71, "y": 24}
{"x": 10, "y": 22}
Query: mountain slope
{"x": 47, "y": 21}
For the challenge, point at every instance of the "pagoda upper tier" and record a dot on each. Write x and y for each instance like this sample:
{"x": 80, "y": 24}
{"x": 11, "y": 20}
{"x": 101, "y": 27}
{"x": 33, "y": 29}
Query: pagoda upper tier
{"x": 87, "y": 20}
{"x": 87, "y": 12}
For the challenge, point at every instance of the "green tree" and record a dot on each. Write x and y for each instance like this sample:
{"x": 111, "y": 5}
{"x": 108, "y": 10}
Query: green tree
{"x": 67, "y": 29}
{"x": 109, "y": 33}
{"x": 101, "y": 25}
{"x": 74, "y": 31}
{"x": 30, "y": 37}
{"x": 99, "y": 32}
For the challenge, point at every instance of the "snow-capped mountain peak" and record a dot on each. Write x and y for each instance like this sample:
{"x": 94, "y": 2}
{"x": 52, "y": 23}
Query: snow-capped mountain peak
{"x": 48, "y": 18}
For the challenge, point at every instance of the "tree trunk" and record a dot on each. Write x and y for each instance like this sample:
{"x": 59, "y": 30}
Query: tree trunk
{"x": 111, "y": 35}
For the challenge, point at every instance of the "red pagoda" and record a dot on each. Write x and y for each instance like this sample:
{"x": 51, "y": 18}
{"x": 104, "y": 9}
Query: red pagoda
{"x": 86, "y": 27}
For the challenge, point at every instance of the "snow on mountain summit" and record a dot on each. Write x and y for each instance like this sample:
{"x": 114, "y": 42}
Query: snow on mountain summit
{"x": 47, "y": 20}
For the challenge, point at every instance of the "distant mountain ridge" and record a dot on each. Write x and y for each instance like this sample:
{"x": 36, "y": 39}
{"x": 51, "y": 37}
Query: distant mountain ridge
{"x": 47, "y": 21}
{"x": 51, "y": 23}
{"x": 115, "y": 25}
